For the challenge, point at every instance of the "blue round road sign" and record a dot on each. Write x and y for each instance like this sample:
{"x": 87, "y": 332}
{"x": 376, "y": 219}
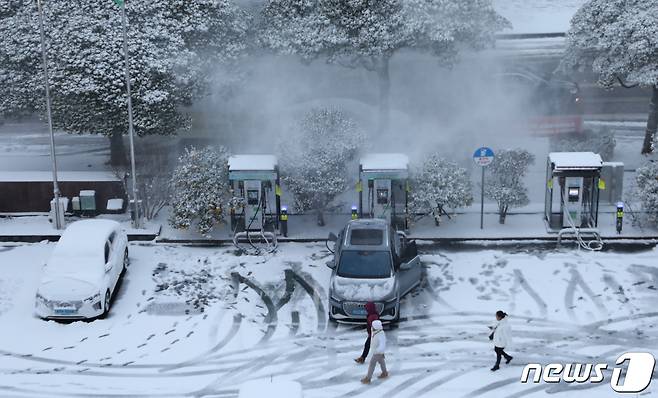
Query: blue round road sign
{"x": 483, "y": 156}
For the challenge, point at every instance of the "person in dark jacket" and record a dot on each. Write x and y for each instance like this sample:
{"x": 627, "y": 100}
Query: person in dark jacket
{"x": 372, "y": 316}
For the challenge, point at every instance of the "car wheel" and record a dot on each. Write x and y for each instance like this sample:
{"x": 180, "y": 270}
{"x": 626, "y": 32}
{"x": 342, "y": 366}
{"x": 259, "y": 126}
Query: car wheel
{"x": 396, "y": 320}
{"x": 106, "y": 304}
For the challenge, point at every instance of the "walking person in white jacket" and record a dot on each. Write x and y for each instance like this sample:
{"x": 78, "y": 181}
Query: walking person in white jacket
{"x": 377, "y": 350}
{"x": 501, "y": 334}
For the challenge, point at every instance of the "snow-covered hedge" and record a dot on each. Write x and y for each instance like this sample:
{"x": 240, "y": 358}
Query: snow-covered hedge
{"x": 439, "y": 184}
{"x": 601, "y": 141}
{"x": 200, "y": 189}
{"x": 314, "y": 160}
{"x": 647, "y": 189}
{"x": 505, "y": 182}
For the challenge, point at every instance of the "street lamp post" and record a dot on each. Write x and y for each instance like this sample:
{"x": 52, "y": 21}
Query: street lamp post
{"x": 131, "y": 131}
{"x": 58, "y": 221}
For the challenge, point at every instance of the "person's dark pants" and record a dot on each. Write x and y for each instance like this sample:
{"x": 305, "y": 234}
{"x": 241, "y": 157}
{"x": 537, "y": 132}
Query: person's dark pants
{"x": 500, "y": 352}
{"x": 366, "y": 349}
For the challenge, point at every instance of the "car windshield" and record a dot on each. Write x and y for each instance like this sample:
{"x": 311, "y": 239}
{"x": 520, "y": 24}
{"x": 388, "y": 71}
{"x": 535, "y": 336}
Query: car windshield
{"x": 364, "y": 264}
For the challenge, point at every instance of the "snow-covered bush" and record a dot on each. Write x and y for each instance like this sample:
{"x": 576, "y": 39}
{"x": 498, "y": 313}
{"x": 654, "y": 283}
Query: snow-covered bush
{"x": 600, "y": 141}
{"x": 314, "y": 160}
{"x": 201, "y": 189}
{"x": 175, "y": 47}
{"x": 367, "y": 34}
{"x": 439, "y": 184}
{"x": 647, "y": 189}
{"x": 505, "y": 181}
{"x": 617, "y": 39}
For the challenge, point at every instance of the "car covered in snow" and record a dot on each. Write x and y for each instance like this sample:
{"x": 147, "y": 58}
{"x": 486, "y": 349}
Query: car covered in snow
{"x": 372, "y": 262}
{"x": 83, "y": 272}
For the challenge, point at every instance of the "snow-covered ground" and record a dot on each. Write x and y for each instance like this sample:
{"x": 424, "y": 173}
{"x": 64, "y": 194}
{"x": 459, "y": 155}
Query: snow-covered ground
{"x": 191, "y": 321}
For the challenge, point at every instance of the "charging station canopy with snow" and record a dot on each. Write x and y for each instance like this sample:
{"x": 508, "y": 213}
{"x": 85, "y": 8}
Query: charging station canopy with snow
{"x": 383, "y": 177}
{"x": 572, "y": 191}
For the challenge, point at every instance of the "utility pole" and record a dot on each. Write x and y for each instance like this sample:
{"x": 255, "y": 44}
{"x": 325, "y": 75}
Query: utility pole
{"x": 131, "y": 131}
{"x": 53, "y": 156}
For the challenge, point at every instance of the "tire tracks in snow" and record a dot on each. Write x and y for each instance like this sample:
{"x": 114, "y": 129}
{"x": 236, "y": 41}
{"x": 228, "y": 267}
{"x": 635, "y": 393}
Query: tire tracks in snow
{"x": 520, "y": 280}
{"x": 578, "y": 281}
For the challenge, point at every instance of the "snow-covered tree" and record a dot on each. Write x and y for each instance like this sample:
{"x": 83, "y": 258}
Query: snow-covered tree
{"x": 505, "y": 181}
{"x": 201, "y": 189}
{"x": 647, "y": 189}
{"x": 439, "y": 184}
{"x": 618, "y": 39}
{"x": 367, "y": 33}
{"x": 314, "y": 160}
{"x": 174, "y": 46}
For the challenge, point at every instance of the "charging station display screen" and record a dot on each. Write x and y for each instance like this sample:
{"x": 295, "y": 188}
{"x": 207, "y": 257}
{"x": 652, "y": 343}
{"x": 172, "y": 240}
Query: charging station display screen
{"x": 574, "y": 192}
{"x": 382, "y": 196}
{"x": 252, "y": 197}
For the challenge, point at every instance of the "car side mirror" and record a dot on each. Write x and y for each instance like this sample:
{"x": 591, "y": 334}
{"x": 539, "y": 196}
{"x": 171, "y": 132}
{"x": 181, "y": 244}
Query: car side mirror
{"x": 332, "y": 237}
{"x": 331, "y": 264}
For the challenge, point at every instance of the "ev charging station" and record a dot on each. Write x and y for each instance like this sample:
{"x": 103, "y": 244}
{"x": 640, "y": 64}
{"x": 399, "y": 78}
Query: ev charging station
{"x": 383, "y": 187}
{"x": 573, "y": 180}
{"x": 255, "y": 185}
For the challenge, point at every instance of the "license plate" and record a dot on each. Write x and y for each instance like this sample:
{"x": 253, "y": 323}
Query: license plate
{"x": 65, "y": 311}
{"x": 359, "y": 311}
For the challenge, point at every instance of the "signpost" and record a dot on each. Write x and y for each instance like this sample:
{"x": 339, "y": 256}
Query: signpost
{"x": 483, "y": 157}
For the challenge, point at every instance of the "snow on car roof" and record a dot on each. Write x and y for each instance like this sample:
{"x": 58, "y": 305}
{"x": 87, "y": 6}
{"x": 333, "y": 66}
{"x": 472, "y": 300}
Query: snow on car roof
{"x": 384, "y": 161}
{"x": 62, "y": 176}
{"x": 85, "y": 236}
{"x": 575, "y": 160}
{"x": 252, "y": 162}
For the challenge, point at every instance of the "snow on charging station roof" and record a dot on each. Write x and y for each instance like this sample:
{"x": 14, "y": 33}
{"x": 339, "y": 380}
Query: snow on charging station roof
{"x": 384, "y": 161}
{"x": 575, "y": 160}
{"x": 252, "y": 162}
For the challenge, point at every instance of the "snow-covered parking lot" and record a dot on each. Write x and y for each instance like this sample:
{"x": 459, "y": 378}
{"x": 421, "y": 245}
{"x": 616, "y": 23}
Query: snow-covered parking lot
{"x": 193, "y": 321}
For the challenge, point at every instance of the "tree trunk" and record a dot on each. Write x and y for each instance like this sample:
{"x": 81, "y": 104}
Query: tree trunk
{"x": 117, "y": 150}
{"x": 502, "y": 213}
{"x": 320, "y": 218}
{"x": 652, "y": 123}
{"x": 384, "y": 94}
